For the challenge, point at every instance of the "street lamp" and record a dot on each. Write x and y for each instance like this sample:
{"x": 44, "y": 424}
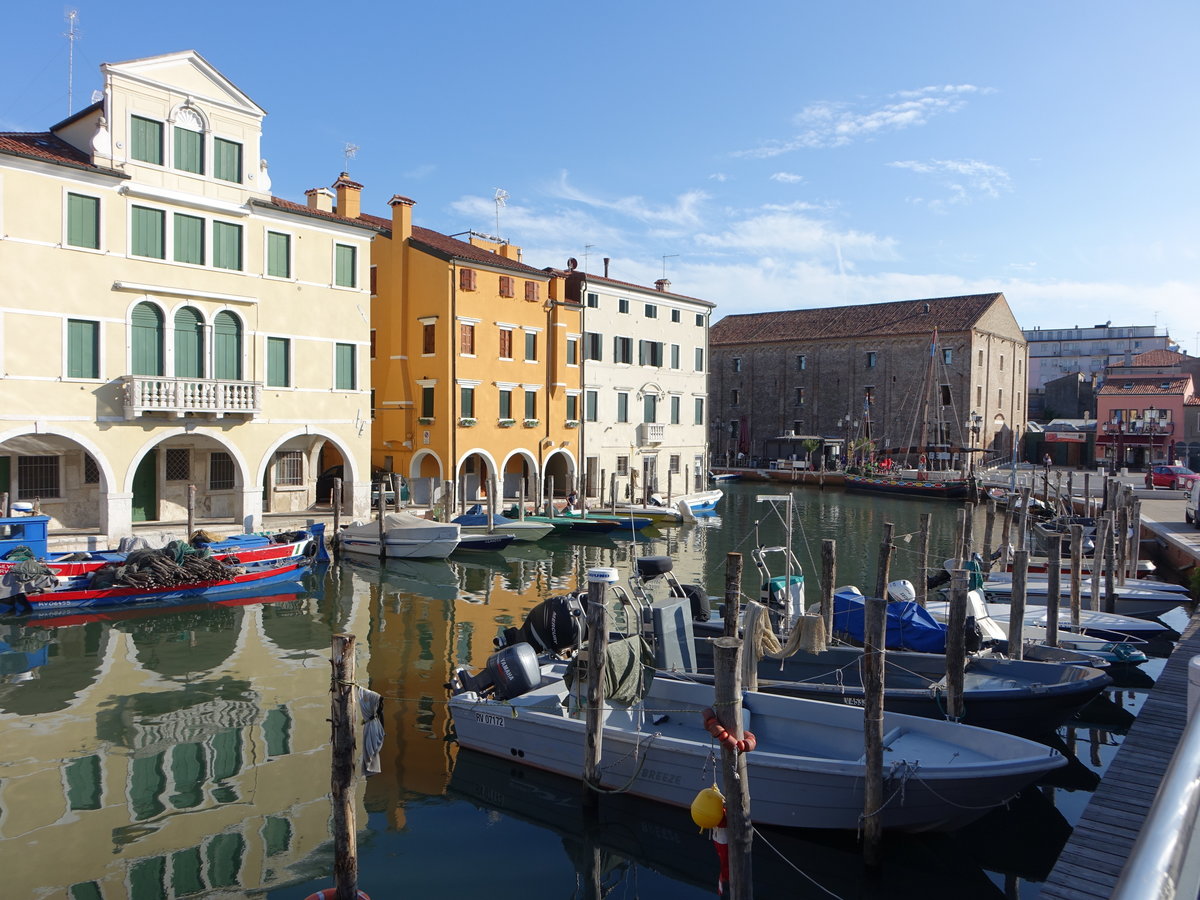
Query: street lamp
{"x": 976, "y": 425}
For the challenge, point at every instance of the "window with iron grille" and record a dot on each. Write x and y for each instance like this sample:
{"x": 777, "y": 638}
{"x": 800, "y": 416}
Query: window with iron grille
{"x": 673, "y": 467}
{"x": 178, "y": 464}
{"x": 220, "y": 471}
{"x": 37, "y": 477}
{"x": 91, "y": 471}
{"x": 289, "y": 468}
{"x": 622, "y": 465}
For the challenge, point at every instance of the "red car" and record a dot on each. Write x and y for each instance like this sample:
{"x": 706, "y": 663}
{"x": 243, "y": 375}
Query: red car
{"x": 1178, "y": 477}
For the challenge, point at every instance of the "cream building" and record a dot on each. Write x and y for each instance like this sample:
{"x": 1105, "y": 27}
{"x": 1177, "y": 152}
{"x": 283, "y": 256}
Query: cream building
{"x": 165, "y": 321}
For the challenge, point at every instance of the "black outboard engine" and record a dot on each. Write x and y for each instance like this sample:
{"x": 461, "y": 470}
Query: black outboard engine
{"x": 552, "y": 626}
{"x": 508, "y": 674}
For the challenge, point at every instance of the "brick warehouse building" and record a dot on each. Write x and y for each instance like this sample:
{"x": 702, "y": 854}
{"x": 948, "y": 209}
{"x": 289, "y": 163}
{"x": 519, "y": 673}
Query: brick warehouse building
{"x": 811, "y": 373}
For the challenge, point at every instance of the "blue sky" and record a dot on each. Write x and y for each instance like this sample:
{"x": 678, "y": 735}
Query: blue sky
{"x": 778, "y": 155}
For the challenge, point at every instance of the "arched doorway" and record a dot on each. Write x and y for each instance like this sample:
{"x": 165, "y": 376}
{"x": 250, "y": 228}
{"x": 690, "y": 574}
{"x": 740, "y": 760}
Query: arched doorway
{"x": 475, "y": 473}
{"x": 558, "y": 475}
{"x": 425, "y": 477}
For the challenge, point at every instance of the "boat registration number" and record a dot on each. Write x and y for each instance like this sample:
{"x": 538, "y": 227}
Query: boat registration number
{"x": 489, "y": 719}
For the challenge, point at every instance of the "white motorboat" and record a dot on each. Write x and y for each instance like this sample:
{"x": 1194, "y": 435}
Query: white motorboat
{"x": 807, "y": 769}
{"x": 405, "y": 536}
{"x": 1099, "y": 624}
{"x": 1129, "y": 599}
{"x": 475, "y": 521}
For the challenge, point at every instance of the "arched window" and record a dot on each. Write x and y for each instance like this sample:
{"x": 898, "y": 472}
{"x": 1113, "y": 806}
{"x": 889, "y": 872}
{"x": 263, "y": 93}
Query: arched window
{"x": 189, "y": 344}
{"x": 146, "y": 340}
{"x": 227, "y": 347}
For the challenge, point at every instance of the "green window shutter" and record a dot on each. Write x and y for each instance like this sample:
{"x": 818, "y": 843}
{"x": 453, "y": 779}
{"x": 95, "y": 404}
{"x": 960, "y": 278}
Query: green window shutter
{"x": 83, "y": 349}
{"x": 227, "y": 160}
{"x": 506, "y": 404}
{"x": 227, "y": 246}
{"x": 590, "y": 402}
{"x": 227, "y": 347}
{"x": 189, "y": 239}
{"x": 83, "y": 783}
{"x": 427, "y": 402}
{"x": 279, "y": 255}
{"x": 83, "y": 221}
{"x": 146, "y": 140}
{"x": 650, "y": 408}
{"x": 189, "y": 344}
{"x": 699, "y": 410}
{"x": 345, "y": 379}
{"x": 467, "y": 403}
{"x": 146, "y": 340}
{"x": 189, "y": 151}
{"x": 278, "y": 362}
{"x": 148, "y": 232}
{"x": 572, "y": 407}
{"x": 531, "y": 405}
{"x": 345, "y": 268}
{"x": 674, "y": 410}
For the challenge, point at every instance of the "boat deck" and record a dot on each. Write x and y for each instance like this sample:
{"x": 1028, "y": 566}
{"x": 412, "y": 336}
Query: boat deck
{"x": 1092, "y": 860}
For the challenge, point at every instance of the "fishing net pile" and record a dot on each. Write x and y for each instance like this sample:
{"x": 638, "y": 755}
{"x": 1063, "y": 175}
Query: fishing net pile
{"x": 173, "y": 565}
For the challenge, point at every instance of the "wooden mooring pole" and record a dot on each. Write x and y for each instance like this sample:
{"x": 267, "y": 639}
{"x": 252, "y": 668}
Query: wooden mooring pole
{"x": 727, "y": 701}
{"x": 1053, "y": 589}
{"x": 1076, "y": 572}
{"x": 343, "y": 718}
{"x": 733, "y": 593}
{"x": 956, "y": 644}
{"x": 191, "y": 511}
{"x": 989, "y": 526}
{"x": 828, "y": 574}
{"x": 1110, "y": 564}
{"x": 923, "y": 533}
{"x": 597, "y": 651}
{"x": 872, "y": 675}
{"x": 885, "y": 561}
{"x": 336, "y": 540}
{"x": 1016, "y": 613}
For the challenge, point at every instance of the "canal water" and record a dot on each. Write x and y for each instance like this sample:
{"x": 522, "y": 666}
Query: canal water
{"x": 184, "y": 752}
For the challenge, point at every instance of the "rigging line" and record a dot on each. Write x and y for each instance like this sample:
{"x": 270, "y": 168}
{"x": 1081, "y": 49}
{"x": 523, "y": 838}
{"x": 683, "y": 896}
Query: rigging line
{"x": 758, "y": 834}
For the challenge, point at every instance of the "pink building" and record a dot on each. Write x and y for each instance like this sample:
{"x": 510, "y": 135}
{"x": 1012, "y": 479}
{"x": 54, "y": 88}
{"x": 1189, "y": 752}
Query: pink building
{"x": 1140, "y": 410}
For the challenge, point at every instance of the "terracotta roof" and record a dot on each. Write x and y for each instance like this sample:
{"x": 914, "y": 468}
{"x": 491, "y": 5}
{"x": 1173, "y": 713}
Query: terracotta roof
{"x": 305, "y": 210}
{"x": 600, "y": 279}
{"x": 1143, "y": 384}
{"x": 903, "y": 317}
{"x": 46, "y": 146}
{"x": 1158, "y": 358}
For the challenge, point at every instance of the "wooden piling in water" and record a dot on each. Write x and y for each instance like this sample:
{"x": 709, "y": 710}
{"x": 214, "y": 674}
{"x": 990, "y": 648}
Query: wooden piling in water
{"x": 968, "y": 546}
{"x": 923, "y": 558}
{"x": 342, "y": 719}
{"x": 1087, "y": 494}
{"x": 1110, "y": 564}
{"x": 521, "y": 500}
{"x": 491, "y": 504}
{"x": 1006, "y": 534}
{"x": 885, "y": 560}
{"x": 1016, "y": 613}
{"x": 956, "y": 649}
{"x": 336, "y": 539}
{"x": 1122, "y": 542}
{"x": 1100, "y": 542}
{"x": 828, "y": 573}
{"x": 1135, "y": 540}
{"x": 1076, "y": 572}
{"x": 733, "y": 593}
{"x": 1023, "y": 526}
{"x": 989, "y": 526}
{"x": 727, "y": 704}
{"x": 959, "y": 536}
{"x": 191, "y": 511}
{"x": 380, "y": 512}
{"x": 875, "y": 616}
{"x": 1053, "y": 589}
{"x": 597, "y": 648}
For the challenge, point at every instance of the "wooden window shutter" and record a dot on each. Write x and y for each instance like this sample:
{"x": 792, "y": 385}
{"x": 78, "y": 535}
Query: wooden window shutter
{"x": 506, "y": 286}
{"x": 466, "y": 279}
{"x": 531, "y": 290}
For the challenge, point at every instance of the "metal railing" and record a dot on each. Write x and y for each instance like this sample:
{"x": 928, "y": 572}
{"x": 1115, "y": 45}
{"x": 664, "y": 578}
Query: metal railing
{"x": 177, "y": 396}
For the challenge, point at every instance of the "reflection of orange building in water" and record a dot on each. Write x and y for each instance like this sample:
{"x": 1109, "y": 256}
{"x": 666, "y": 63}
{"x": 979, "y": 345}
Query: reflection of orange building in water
{"x": 197, "y": 743}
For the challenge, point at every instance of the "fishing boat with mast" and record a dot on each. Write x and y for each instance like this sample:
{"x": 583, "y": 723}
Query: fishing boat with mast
{"x": 924, "y": 467}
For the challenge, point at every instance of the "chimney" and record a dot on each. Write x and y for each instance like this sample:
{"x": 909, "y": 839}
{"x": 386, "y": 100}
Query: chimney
{"x": 320, "y": 198}
{"x": 661, "y": 285}
{"x": 606, "y": 267}
{"x": 349, "y": 196}
{"x": 401, "y": 217}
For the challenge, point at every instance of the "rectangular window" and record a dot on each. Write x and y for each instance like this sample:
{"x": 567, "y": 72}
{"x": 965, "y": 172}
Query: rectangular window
{"x": 374, "y": 342}
{"x": 622, "y": 465}
{"x": 674, "y": 410}
{"x": 506, "y": 286}
{"x": 279, "y": 362}
{"x": 531, "y": 346}
{"x": 289, "y": 468}
{"x": 948, "y": 356}
{"x": 651, "y": 311}
{"x": 505, "y": 403}
{"x": 91, "y": 471}
{"x": 981, "y": 357}
{"x": 1001, "y": 362}
{"x": 146, "y": 140}
{"x": 872, "y": 357}
{"x": 189, "y": 151}
{"x": 531, "y": 291}
{"x": 220, "y": 471}
{"x": 466, "y": 402}
{"x": 622, "y": 350}
{"x": 506, "y": 343}
{"x": 227, "y": 160}
{"x": 572, "y": 352}
{"x": 799, "y": 396}
{"x": 674, "y": 356}
{"x": 622, "y": 406}
{"x": 593, "y": 301}
{"x": 345, "y": 265}
{"x": 466, "y": 279}
{"x": 675, "y": 315}
{"x": 572, "y": 407}
{"x": 346, "y": 374}
{"x": 37, "y": 477}
{"x": 801, "y": 363}
{"x": 189, "y": 239}
{"x": 673, "y": 465}
{"x": 227, "y": 246}
{"x": 1000, "y": 397}
{"x": 149, "y": 233}
{"x": 699, "y": 359}
{"x": 83, "y": 349}
{"x": 531, "y": 408}
{"x": 650, "y": 353}
{"x": 737, "y": 364}
{"x": 466, "y": 338}
{"x": 979, "y": 395}
{"x": 593, "y": 346}
{"x": 734, "y": 396}
{"x": 279, "y": 255}
{"x": 699, "y": 411}
{"x": 699, "y": 320}
{"x": 945, "y": 395}
{"x": 591, "y": 403}
{"x": 622, "y": 305}
{"x": 83, "y": 221}
{"x": 178, "y": 465}
{"x": 1018, "y": 401}
{"x": 427, "y": 402}
{"x": 428, "y": 338}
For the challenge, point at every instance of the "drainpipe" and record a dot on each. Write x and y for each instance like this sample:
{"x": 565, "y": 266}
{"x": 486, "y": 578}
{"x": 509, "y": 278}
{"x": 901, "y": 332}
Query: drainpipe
{"x": 453, "y": 386}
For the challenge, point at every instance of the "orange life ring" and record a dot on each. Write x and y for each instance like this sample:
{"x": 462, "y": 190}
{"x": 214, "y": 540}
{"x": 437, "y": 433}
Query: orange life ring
{"x": 331, "y": 893}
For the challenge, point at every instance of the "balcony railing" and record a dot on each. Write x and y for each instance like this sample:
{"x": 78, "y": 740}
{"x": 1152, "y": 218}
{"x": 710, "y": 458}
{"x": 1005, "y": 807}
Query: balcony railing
{"x": 1138, "y": 429}
{"x": 179, "y": 396}
{"x": 650, "y": 433}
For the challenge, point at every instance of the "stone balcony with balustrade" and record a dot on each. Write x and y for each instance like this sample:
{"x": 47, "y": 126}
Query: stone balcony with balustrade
{"x": 177, "y": 397}
{"x": 650, "y": 433}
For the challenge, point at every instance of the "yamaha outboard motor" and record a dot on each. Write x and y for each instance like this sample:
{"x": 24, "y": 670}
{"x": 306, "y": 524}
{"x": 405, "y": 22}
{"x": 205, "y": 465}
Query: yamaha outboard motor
{"x": 508, "y": 674}
{"x": 552, "y": 626}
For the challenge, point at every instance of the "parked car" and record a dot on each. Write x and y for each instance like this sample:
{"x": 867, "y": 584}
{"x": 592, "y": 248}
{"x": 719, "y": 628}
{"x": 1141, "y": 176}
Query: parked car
{"x": 1190, "y": 512}
{"x": 378, "y": 476}
{"x": 1178, "y": 477}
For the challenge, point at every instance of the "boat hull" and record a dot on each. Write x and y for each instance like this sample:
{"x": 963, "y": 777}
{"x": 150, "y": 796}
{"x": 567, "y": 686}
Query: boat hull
{"x": 400, "y": 547}
{"x": 935, "y": 490}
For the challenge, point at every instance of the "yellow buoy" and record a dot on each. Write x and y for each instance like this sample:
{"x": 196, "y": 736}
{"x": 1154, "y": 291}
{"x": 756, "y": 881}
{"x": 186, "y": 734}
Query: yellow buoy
{"x": 708, "y": 808}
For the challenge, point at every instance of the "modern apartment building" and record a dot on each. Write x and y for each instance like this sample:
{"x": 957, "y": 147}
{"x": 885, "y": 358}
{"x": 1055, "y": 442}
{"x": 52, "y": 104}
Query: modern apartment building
{"x": 165, "y": 321}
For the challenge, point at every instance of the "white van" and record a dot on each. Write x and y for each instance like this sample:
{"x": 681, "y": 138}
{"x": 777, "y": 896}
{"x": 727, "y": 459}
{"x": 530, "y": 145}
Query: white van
{"x": 1189, "y": 505}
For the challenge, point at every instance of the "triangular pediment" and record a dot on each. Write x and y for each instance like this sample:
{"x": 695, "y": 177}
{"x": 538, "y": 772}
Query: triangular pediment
{"x": 186, "y": 72}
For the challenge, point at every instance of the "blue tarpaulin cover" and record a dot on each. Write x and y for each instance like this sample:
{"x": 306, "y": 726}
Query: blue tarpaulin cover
{"x": 909, "y": 625}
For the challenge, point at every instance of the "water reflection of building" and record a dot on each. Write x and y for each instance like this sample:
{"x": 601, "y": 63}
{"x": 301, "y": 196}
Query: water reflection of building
{"x": 190, "y": 756}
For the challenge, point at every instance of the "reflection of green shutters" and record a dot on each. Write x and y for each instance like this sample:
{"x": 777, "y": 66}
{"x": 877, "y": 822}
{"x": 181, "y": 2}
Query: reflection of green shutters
{"x": 146, "y": 140}
{"x": 187, "y": 772}
{"x": 83, "y": 221}
{"x": 277, "y": 730}
{"x": 83, "y": 783}
{"x": 227, "y": 754}
{"x": 189, "y": 344}
{"x": 89, "y": 890}
{"x": 225, "y": 852}
{"x": 277, "y": 835}
{"x": 148, "y": 232}
{"x": 189, "y": 239}
{"x": 278, "y": 362}
{"x": 146, "y": 340}
{"x": 147, "y": 879}
{"x": 227, "y": 347}
{"x": 344, "y": 266}
{"x": 227, "y": 160}
{"x": 146, "y": 784}
{"x": 345, "y": 376}
{"x": 186, "y": 867}
{"x": 83, "y": 349}
{"x": 227, "y": 246}
{"x": 279, "y": 255}
{"x": 189, "y": 150}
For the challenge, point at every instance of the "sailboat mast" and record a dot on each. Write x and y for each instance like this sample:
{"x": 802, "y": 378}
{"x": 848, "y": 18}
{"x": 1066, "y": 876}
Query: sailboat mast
{"x": 923, "y": 445}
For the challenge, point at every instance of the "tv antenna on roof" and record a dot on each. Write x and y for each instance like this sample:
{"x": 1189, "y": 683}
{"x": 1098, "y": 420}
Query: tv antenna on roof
{"x": 500, "y": 198}
{"x": 665, "y": 258}
{"x": 72, "y": 36}
{"x": 349, "y": 152}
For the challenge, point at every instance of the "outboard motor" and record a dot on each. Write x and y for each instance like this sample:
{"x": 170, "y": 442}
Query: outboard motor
{"x": 552, "y": 626}
{"x": 901, "y": 591}
{"x": 651, "y": 567}
{"x": 508, "y": 674}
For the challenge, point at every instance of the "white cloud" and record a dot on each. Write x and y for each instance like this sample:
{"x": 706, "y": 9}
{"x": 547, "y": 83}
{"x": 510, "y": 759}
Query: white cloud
{"x": 787, "y": 177}
{"x": 718, "y": 176}
{"x": 685, "y": 211}
{"x": 797, "y": 235}
{"x": 963, "y": 178}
